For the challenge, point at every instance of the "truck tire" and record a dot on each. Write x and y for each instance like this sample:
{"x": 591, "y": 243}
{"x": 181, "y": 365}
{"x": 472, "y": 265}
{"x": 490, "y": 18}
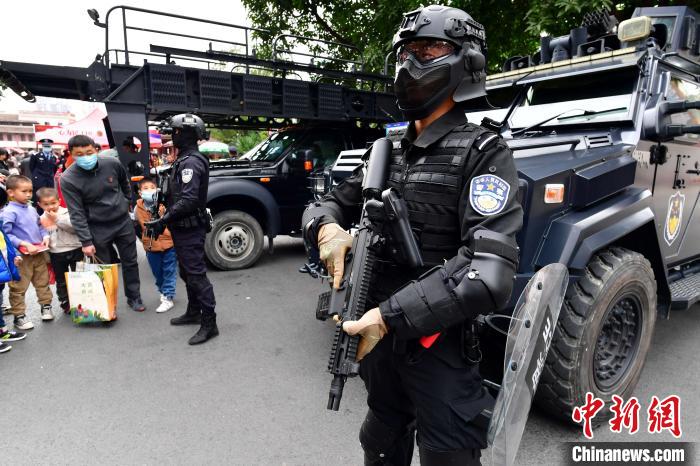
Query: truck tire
{"x": 235, "y": 242}
{"x": 602, "y": 336}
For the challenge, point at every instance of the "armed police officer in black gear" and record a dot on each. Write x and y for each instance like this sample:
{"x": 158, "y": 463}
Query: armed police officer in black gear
{"x": 460, "y": 183}
{"x": 185, "y": 196}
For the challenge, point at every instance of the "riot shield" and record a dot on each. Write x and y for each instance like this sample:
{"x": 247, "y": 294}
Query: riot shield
{"x": 529, "y": 336}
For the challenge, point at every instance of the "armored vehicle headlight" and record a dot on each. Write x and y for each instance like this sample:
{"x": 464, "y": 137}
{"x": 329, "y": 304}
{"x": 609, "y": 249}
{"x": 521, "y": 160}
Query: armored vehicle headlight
{"x": 634, "y": 29}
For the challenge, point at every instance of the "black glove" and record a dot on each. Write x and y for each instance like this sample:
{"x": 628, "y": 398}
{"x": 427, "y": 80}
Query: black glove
{"x": 154, "y": 228}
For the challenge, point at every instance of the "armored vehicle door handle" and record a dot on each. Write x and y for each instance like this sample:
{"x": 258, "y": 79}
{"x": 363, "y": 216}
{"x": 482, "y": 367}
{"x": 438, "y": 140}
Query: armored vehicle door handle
{"x": 693, "y": 172}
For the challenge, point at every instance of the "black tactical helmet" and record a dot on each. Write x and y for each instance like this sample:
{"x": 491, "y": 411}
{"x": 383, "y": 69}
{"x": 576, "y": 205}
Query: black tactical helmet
{"x": 192, "y": 129}
{"x": 439, "y": 52}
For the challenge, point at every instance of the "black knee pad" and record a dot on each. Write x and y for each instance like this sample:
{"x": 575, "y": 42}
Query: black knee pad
{"x": 384, "y": 444}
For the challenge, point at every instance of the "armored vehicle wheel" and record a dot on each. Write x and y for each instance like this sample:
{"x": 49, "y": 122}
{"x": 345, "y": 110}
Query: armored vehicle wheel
{"x": 603, "y": 334}
{"x": 235, "y": 241}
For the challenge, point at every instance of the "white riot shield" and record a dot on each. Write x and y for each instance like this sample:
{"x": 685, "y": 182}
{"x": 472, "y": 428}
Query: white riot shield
{"x": 529, "y": 336}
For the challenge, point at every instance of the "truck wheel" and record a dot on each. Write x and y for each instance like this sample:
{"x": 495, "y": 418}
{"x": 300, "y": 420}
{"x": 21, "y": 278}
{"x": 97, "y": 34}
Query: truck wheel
{"x": 235, "y": 241}
{"x": 603, "y": 334}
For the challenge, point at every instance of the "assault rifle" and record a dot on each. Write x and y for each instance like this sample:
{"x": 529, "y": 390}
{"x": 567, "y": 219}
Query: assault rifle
{"x": 383, "y": 227}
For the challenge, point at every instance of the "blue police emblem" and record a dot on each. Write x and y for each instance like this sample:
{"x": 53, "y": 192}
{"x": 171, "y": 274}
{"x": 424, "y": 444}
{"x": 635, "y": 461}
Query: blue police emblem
{"x": 488, "y": 194}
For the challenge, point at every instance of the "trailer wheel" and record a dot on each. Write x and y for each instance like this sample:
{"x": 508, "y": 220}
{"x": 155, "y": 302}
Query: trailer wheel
{"x": 235, "y": 242}
{"x": 603, "y": 334}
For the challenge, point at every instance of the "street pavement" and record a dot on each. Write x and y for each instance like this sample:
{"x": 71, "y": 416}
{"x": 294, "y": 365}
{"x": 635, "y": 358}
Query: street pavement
{"x": 134, "y": 392}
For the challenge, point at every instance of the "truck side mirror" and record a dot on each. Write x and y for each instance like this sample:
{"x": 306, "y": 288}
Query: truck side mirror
{"x": 302, "y": 159}
{"x": 657, "y": 125}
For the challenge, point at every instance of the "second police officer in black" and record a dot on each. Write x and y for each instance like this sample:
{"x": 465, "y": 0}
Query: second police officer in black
{"x": 460, "y": 184}
{"x": 185, "y": 193}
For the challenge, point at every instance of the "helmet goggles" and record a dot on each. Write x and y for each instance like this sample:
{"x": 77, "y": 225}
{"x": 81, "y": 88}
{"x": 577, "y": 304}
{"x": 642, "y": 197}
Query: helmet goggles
{"x": 425, "y": 51}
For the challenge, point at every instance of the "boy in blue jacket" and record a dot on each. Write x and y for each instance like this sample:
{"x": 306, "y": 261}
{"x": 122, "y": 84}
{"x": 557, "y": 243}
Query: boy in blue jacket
{"x": 9, "y": 261}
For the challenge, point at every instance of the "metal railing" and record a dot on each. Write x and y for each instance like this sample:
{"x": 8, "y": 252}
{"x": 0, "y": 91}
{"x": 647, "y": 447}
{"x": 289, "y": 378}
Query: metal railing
{"x": 318, "y": 64}
{"x": 247, "y": 31}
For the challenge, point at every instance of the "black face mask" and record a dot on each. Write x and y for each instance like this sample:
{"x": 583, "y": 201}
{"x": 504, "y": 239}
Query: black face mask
{"x": 419, "y": 91}
{"x": 183, "y": 138}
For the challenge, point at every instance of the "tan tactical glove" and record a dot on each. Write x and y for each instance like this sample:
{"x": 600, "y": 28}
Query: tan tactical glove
{"x": 333, "y": 244}
{"x": 370, "y": 327}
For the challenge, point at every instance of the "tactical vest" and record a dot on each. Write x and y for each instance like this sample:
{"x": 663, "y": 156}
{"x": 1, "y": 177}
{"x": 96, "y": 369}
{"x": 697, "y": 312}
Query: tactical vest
{"x": 174, "y": 182}
{"x": 431, "y": 182}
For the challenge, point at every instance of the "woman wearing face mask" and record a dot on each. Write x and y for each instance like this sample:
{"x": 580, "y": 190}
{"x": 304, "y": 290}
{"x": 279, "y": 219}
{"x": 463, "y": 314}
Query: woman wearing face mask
{"x": 159, "y": 251}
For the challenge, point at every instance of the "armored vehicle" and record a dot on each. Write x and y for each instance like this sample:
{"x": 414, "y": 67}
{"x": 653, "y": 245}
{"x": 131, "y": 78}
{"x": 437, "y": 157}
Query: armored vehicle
{"x": 604, "y": 125}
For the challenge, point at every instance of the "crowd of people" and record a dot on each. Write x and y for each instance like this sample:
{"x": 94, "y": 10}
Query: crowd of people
{"x": 60, "y": 210}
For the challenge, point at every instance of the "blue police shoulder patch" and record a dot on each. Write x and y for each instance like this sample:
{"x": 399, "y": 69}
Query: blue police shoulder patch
{"x": 488, "y": 194}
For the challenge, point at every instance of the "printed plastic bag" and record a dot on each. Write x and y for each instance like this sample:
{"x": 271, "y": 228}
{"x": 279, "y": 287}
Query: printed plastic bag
{"x": 92, "y": 292}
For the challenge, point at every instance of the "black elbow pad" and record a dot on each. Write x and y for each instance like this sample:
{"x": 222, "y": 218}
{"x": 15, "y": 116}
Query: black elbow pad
{"x": 432, "y": 303}
{"x": 488, "y": 284}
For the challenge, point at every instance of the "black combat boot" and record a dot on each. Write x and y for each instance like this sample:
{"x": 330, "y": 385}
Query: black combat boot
{"x": 190, "y": 317}
{"x": 207, "y": 331}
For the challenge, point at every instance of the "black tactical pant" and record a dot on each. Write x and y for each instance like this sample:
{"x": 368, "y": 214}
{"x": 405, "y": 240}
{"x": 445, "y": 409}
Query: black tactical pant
{"x": 189, "y": 247}
{"x": 417, "y": 389}
{"x": 105, "y": 236}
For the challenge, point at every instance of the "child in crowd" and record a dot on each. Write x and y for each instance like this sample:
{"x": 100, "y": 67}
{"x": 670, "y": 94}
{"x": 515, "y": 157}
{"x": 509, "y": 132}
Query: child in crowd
{"x": 160, "y": 252}
{"x": 9, "y": 261}
{"x": 65, "y": 248}
{"x": 22, "y": 226}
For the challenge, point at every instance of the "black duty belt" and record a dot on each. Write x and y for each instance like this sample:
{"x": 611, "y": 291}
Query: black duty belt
{"x": 191, "y": 221}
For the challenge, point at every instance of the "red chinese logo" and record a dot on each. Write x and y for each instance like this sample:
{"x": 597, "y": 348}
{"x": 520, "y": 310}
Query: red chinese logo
{"x": 624, "y": 415}
{"x": 665, "y": 415}
{"x": 662, "y": 414}
{"x": 587, "y": 412}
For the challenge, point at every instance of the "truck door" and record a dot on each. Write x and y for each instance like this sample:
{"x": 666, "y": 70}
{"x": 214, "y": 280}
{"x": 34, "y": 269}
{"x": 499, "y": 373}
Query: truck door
{"x": 677, "y": 184}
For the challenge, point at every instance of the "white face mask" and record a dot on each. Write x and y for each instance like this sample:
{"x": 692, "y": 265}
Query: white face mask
{"x": 148, "y": 196}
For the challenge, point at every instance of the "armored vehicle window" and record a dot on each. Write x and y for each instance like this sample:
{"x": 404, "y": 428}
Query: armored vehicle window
{"x": 587, "y": 98}
{"x": 495, "y": 99}
{"x": 681, "y": 90}
{"x": 587, "y": 86}
{"x": 275, "y": 146}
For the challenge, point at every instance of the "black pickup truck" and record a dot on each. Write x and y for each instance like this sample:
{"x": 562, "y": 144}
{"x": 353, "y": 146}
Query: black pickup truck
{"x": 265, "y": 192}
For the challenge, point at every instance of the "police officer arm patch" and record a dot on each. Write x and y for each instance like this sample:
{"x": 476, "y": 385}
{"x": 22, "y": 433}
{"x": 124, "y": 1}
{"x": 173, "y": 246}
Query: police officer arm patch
{"x": 187, "y": 175}
{"x": 488, "y": 194}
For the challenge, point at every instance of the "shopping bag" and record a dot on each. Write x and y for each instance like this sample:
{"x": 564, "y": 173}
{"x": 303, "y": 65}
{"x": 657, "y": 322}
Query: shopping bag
{"x": 92, "y": 292}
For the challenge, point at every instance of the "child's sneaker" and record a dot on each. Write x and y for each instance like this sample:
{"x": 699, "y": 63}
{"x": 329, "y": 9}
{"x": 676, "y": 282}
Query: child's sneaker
{"x": 11, "y": 335}
{"x": 165, "y": 304}
{"x": 46, "y": 312}
{"x": 66, "y": 307}
{"x": 6, "y": 310}
{"x": 23, "y": 323}
{"x": 4, "y": 347}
